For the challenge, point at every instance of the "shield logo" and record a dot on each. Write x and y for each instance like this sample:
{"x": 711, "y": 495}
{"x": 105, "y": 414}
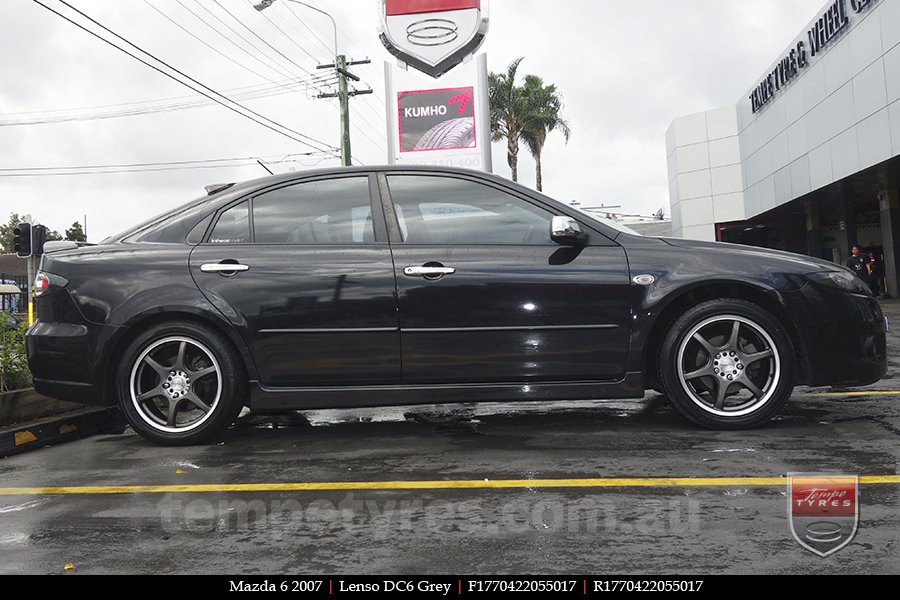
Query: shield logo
{"x": 823, "y": 510}
{"x": 433, "y": 36}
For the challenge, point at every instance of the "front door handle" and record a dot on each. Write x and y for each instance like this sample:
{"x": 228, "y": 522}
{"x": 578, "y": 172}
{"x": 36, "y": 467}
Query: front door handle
{"x": 223, "y": 267}
{"x": 428, "y": 271}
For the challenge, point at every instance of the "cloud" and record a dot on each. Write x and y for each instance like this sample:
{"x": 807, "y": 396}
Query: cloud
{"x": 625, "y": 70}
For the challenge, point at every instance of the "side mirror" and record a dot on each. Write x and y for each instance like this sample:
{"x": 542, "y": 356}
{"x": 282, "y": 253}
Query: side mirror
{"x": 566, "y": 231}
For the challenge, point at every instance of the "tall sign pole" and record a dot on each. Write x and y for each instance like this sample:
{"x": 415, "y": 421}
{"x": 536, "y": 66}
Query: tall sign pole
{"x": 444, "y": 117}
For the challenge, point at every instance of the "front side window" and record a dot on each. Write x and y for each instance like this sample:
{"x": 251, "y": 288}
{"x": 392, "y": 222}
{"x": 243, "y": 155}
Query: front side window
{"x": 333, "y": 211}
{"x": 450, "y": 211}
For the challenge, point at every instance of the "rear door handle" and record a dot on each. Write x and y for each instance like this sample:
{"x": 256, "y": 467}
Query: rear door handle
{"x": 223, "y": 267}
{"x": 428, "y": 271}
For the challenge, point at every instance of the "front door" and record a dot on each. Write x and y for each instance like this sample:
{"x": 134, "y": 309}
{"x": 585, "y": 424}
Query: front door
{"x": 305, "y": 274}
{"x": 486, "y": 296}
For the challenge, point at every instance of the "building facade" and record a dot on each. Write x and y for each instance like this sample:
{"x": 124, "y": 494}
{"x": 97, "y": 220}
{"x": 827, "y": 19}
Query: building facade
{"x": 808, "y": 159}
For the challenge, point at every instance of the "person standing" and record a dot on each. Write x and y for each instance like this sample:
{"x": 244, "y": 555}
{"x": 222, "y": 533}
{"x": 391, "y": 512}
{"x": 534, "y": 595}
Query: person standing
{"x": 876, "y": 273}
{"x": 859, "y": 264}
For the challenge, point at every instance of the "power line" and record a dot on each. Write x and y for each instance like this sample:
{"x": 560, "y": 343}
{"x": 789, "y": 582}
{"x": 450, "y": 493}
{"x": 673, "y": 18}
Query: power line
{"x": 367, "y": 102}
{"x": 143, "y": 164}
{"x": 233, "y": 106}
{"x": 248, "y": 88}
{"x": 142, "y": 170}
{"x": 144, "y": 108}
{"x": 205, "y": 43}
{"x": 263, "y": 40}
{"x": 268, "y": 59}
{"x": 212, "y": 163}
{"x": 296, "y": 16}
{"x": 292, "y": 40}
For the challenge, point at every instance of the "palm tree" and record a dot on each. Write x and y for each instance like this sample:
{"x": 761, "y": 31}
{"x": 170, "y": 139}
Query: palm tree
{"x": 509, "y": 112}
{"x": 544, "y": 115}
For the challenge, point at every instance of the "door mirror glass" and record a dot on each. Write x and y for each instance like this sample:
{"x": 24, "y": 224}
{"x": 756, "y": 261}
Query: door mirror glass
{"x": 566, "y": 231}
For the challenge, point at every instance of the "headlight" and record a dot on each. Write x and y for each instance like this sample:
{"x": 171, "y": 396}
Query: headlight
{"x": 842, "y": 280}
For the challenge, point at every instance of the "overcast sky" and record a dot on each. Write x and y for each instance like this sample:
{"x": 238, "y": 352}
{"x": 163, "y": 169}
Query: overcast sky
{"x": 625, "y": 69}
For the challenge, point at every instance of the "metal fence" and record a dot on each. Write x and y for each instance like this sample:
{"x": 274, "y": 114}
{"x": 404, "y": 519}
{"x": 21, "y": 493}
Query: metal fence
{"x": 14, "y": 303}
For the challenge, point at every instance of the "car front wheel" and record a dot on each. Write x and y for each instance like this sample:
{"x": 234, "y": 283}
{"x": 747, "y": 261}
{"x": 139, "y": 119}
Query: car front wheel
{"x": 180, "y": 383}
{"x": 727, "y": 364}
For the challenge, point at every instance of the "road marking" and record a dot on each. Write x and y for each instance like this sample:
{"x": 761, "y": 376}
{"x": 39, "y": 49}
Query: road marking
{"x": 457, "y": 484}
{"x": 857, "y": 393}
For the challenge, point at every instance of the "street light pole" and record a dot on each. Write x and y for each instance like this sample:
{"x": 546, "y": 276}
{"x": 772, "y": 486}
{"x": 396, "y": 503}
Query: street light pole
{"x": 340, "y": 65}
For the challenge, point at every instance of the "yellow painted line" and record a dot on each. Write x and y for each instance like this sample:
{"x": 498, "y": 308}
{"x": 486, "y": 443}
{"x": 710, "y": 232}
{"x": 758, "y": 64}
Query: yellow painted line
{"x": 858, "y": 393}
{"x": 460, "y": 484}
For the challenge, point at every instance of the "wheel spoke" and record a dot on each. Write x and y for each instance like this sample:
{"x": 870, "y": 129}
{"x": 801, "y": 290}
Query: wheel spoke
{"x": 749, "y": 359}
{"x": 179, "y": 361}
{"x": 735, "y": 336}
{"x": 157, "y": 391}
{"x": 754, "y": 389}
{"x": 193, "y": 399}
{"x": 704, "y": 372}
{"x": 706, "y": 345}
{"x": 161, "y": 370}
{"x": 173, "y": 411}
{"x": 195, "y": 375}
{"x": 721, "y": 390}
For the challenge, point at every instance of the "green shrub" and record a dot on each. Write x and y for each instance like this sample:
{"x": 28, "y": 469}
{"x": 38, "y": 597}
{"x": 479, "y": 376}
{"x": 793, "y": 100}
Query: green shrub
{"x": 14, "y": 373}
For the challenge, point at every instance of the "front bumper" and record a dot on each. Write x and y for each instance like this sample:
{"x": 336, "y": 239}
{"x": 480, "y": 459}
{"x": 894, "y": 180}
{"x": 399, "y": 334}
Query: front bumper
{"x": 843, "y": 335}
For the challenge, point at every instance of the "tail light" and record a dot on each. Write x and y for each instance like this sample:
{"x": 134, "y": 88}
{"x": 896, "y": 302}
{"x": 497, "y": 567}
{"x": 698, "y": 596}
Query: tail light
{"x": 44, "y": 282}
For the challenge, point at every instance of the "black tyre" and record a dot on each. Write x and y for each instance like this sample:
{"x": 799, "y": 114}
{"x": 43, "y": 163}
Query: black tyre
{"x": 180, "y": 383}
{"x": 727, "y": 364}
{"x": 455, "y": 133}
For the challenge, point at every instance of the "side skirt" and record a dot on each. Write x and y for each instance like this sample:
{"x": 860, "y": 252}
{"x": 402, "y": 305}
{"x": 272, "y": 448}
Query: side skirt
{"x": 264, "y": 398}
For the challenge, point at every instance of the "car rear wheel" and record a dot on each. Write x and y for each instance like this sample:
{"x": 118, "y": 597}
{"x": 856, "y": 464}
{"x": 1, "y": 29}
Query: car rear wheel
{"x": 180, "y": 383}
{"x": 727, "y": 364}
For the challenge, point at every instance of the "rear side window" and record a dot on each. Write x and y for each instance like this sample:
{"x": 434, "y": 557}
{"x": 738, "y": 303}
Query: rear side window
{"x": 333, "y": 211}
{"x": 233, "y": 226}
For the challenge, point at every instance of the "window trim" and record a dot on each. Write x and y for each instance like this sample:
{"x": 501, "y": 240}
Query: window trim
{"x": 375, "y": 207}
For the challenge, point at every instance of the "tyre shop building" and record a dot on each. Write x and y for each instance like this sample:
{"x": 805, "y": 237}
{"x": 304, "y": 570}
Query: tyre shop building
{"x": 808, "y": 160}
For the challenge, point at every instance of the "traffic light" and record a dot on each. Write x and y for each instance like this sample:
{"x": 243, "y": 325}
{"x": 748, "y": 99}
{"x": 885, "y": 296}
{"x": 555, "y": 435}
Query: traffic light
{"x": 38, "y": 237}
{"x": 22, "y": 239}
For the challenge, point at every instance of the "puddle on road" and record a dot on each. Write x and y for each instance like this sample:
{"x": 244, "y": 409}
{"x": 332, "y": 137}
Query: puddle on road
{"x": 12, "y": 508}
{"x": 437, "y": 413}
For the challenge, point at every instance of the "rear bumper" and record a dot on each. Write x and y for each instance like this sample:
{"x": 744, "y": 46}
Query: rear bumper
{"x": 71, "y": 391}
{"x": 65, "y": 362}
{"x": 844, "y": 338}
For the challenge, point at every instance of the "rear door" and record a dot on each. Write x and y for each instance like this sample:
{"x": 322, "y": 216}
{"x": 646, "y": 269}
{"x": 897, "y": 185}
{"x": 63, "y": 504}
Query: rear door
{"x": 486, "y": 296}
{"x": 304, "y": 272}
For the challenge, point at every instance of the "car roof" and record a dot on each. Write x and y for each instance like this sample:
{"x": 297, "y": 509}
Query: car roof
{"x": 244, "y": 186}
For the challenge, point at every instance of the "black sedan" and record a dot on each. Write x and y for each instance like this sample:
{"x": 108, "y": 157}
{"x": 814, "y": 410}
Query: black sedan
{"x": 395, "y": 286}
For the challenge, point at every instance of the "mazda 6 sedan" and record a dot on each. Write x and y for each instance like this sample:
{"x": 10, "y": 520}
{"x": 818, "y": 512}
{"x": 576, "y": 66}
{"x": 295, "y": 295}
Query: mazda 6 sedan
{"x": 383, "y": 286}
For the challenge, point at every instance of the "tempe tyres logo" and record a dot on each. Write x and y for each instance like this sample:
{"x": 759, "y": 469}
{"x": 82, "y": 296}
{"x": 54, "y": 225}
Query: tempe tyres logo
{"x": 433, "y": 36}
{"x": 823, "y": 510}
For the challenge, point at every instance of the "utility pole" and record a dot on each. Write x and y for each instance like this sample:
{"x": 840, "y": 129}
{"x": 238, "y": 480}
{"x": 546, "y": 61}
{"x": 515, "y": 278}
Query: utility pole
{"x": 343, "y": 95}
{"x": 340, "y": 65}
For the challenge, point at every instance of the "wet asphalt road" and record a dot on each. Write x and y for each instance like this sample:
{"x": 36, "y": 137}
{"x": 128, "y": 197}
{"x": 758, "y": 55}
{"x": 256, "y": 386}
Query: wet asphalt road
{"x": 687, "y": 529}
